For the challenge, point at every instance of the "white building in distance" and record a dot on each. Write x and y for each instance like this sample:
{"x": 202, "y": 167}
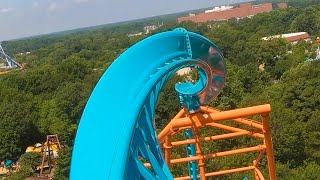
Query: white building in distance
{"x": 294, "y": 38}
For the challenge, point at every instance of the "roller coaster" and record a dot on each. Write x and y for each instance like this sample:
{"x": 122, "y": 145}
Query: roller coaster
{"x": 9, "y": 64}
{"x": 317, "y": 59}
{"x": 119, "y": 116}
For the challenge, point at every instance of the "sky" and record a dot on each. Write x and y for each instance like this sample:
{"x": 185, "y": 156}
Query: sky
{"x": 24, "y": 18}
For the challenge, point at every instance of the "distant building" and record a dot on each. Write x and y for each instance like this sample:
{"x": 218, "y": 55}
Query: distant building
{"x": 217, "y": 9}
{"x": 135, "y": 34}
{"x": 228, "y": 12}
{"x": 148, "y": 29}
{"x": 184, "y": 71}
{"x": 282, "y": 5}
{"x": 24, "y": 53}
{"x": 294, "y": 38}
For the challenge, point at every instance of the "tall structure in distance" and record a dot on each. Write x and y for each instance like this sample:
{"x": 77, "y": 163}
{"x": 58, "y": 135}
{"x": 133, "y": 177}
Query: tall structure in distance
{"x": 9, "y": 62}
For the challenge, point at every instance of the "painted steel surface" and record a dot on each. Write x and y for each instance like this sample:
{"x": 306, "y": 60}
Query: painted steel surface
{"x": 10, "y": 63}
{"x": 191, "y": 151}
{"x": 118, "y": 119}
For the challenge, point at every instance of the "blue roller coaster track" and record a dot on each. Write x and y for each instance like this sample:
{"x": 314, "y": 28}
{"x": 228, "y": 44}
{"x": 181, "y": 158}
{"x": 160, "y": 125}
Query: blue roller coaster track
{"x": 118, "y": 119}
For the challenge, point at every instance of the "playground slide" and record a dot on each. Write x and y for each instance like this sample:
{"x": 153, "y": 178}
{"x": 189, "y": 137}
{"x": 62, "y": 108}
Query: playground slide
{"x": 118, "y": 120}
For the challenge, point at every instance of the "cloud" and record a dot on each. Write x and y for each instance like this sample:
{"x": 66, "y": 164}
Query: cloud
{"x": 6, "y": 10}
{"x": 80, "y": 1}
{"x": 35, "y": 5}
{"x": 53, "y": 7}
{"x": 58, "y": 6}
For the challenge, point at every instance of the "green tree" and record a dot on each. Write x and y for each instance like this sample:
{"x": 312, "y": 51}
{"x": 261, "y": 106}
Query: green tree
{"x": 30, "y": 160}
{"x": 307, "y": 21}
{"x": 28, "y": 164}
{"x": 308, "y": 171}
{"x": 63, "y": 164}
{"x": 22, "y": 173}
{"x": 168, "y": 103}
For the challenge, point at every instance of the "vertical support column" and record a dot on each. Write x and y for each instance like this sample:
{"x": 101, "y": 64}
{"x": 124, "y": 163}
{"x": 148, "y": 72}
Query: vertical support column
{"x": 256, "y": 177}
{"x": 195, "y": 126}
{"x": 167, "y": 149}
{"x": 191, "y": 152}
{"x": 49, "y": 154}
{"x": 269, "y": 150}
{"x": 44, "y": 151}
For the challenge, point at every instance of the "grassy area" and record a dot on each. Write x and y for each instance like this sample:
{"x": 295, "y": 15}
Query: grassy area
{"x": 2, "y": 176}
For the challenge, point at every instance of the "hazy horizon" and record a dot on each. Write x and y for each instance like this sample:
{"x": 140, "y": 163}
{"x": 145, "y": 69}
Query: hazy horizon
{"x": 34, "y": 17}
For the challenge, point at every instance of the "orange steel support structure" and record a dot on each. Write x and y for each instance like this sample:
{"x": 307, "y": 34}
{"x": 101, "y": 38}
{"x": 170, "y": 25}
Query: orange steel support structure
{"x": 210, "y": 117}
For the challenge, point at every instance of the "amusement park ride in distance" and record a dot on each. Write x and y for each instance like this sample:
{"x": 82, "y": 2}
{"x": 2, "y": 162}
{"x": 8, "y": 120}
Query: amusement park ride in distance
{"x": 9, "y": 64}
{"x": 119, "y": 115}
{"x": 317, "y": 59}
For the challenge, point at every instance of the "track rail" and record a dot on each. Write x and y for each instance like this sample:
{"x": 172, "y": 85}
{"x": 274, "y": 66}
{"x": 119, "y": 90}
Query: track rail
{"x": 118, "y": 119}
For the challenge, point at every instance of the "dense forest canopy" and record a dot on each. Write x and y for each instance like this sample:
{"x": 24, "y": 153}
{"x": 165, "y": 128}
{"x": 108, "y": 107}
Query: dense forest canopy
{"x": 294, "y": 3}
{"x": 49, "y": 96}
